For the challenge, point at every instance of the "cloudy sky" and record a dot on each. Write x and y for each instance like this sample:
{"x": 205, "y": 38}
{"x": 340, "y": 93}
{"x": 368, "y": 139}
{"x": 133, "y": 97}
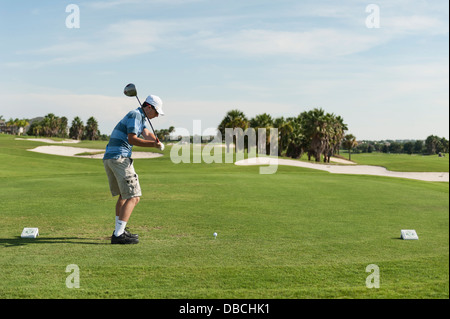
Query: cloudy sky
{"x": 383, "y": 66}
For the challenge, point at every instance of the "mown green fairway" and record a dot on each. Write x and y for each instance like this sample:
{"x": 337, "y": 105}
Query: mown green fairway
{"x": 299, "y": 233}
{"x": 403, "y": 162}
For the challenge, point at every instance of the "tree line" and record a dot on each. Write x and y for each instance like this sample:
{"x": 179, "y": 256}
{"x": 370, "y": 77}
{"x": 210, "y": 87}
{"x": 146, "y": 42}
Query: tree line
{"x": 315, "y": 133}
{"x": 54, "y": 126}
{"x": 321, "y": 135}
{"x": 431, "y": 145}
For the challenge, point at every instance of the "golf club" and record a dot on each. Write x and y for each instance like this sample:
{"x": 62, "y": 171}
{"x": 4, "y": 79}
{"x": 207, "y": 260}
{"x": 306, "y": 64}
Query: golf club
{"x": 130, "y": 90}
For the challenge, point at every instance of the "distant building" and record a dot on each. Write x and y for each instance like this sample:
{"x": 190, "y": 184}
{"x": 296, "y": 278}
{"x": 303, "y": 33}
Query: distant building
{"x": 5, "y": 128}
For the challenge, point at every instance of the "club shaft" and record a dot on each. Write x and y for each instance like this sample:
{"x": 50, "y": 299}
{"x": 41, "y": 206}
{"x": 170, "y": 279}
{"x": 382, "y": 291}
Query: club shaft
{"x": 157, "y": 140}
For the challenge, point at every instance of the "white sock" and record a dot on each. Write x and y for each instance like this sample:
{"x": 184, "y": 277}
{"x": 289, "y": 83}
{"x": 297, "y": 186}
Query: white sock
{"x": 120, "y": 227}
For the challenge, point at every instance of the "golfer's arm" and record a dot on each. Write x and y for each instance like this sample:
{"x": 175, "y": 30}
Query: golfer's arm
{"x": 134, "y": 140}
{"x": 148, "y": 135}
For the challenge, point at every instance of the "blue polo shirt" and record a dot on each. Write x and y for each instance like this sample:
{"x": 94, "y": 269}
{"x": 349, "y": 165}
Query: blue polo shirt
{"x": 118, "y": 146}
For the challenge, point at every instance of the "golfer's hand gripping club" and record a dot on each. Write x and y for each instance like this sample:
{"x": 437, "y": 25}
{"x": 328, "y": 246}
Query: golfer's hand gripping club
{"x": 161, "y": 145}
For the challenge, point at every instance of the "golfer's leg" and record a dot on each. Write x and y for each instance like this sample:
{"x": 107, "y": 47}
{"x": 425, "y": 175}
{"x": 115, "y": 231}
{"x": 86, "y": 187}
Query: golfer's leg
{"x": 126, "y": 207}
{"x": 119, "y": 204}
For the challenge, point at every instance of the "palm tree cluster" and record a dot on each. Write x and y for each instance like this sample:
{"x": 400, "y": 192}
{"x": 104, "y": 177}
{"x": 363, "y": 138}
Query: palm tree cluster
{"x": 316, "y": 133}
{"x": 163, "y": 134}
{"x": 55, "y": 126}
{"x": 49, "y": 126}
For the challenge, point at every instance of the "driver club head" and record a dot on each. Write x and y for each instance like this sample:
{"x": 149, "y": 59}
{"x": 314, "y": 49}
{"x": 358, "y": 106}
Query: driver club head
{"x": 130, "y": 90}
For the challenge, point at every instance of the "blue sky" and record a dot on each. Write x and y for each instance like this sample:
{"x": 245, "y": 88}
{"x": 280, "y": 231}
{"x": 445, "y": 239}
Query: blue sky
{"x": 204, "y": 58}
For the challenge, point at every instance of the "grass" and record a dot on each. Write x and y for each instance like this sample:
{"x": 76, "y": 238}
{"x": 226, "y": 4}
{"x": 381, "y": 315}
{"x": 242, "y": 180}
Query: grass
{"x": 403, "y": 162}
{"x": 298, "y": 233}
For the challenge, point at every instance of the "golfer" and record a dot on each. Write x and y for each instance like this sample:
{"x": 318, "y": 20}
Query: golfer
{"x": 123, "y": 180}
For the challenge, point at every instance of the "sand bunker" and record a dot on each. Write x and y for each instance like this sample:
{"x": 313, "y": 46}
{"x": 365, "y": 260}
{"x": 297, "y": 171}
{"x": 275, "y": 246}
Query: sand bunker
{"x": 73, "y": 151}
{"x": 351, "y": 169}
{"x": 334, "y": 169}
{"x": 47, "y": 140}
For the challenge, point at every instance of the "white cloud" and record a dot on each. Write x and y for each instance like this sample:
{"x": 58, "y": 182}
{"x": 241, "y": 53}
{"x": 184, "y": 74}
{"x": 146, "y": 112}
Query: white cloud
{"x": 308, "y": 30}
{"x": 311, "y": 44}
{"x": 415, "y": 24}
{"x": 110, "y": 4}
{"x": 116, "y": 41}
{"x": 199, "y": 37}
{"x": 116, "y": 3}
{"x": 204, "y": 37}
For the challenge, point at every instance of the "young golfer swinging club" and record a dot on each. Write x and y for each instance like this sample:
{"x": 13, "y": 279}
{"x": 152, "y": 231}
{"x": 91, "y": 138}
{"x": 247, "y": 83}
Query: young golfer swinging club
{"x": 123, "y": 180}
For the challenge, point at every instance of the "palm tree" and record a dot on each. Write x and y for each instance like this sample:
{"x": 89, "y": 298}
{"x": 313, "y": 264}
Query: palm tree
{"x": 164, "y": 134}
{"x": 50, "y": 125}
{"x": 62, "y": 127}
{"x": 91, "y": 129}
{"x": 285, "y": 130}
{"x": 297, "y": 142}
{"x": 340, "y": 129}
{"x": 233, "y": 119}
{"x": 336, "y": 132}
{"x": 349, "y": 142}
{"x": 77, "y": 129}
{"x": 262, "y": 121}
{"x": 35, "y": 128}
{"x": 315, "y": 128}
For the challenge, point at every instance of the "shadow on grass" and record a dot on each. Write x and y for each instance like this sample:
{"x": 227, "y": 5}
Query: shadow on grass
{"x": 19, "y": 241}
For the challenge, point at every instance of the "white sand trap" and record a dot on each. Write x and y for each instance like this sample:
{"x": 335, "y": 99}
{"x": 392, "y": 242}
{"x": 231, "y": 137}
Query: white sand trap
{"x": 72, "y": 151}
{"x": 350, "y": 169}
{"x": 47, "y": 140}
{"x": 341, "y": 160}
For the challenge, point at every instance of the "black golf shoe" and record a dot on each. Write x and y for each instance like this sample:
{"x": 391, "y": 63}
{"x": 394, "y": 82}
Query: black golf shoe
{"x": 130, "y": 234}
{"x": 123, "y": 239}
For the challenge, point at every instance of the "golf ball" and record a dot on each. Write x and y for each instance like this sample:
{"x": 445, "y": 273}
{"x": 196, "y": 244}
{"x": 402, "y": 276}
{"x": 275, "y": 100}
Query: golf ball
{"x": 215, "y": 234}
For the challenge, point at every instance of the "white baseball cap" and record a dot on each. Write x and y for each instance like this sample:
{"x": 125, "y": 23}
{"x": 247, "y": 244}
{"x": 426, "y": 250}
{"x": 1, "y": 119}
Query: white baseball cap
{"x": 156, "y": 102}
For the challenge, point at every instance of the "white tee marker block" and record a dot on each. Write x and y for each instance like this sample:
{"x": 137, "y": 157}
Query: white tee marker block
{"x": 408, "y": 234}
{"x": 30, "y": 232}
